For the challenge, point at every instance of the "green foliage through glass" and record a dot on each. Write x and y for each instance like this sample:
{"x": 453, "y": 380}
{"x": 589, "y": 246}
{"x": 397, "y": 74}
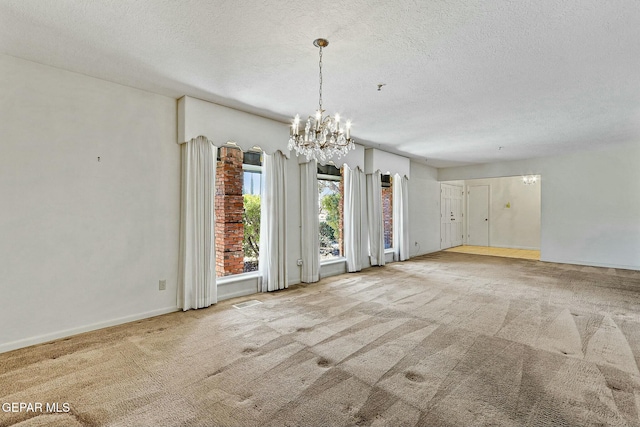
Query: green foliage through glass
{"x": 251, "y": 219}
{"x": 330, "y": 199}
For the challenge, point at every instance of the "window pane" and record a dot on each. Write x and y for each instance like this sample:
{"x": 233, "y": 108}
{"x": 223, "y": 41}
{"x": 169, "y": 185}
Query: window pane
{"x": 251, "y": 226}
{"x": 252, "y": 180}
{"x": 330, "y": 216}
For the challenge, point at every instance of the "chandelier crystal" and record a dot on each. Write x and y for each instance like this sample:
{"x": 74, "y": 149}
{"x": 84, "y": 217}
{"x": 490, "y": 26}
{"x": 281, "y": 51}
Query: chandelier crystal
{"x": 324, "y": 136}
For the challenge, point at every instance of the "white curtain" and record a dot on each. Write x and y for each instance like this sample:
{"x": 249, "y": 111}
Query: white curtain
{"x": 374, "y": 215}
{"x": 197, "y": 279}
{"x": 310, "y": 222}
{"x": 273, "y": 223}
{"x": 354, "y": 206}
{"x": 400, "y": 218}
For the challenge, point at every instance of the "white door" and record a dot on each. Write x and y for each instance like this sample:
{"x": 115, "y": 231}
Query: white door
{"x": 478, "y": 217}
{"x": 450, "y": 216}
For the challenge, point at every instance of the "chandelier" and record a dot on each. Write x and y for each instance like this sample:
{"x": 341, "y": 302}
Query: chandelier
{"x": 323, "y": 137}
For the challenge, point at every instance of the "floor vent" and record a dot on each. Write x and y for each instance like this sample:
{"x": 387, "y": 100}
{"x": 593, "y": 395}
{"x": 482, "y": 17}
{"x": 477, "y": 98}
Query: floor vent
{"x": 246, "y": 304}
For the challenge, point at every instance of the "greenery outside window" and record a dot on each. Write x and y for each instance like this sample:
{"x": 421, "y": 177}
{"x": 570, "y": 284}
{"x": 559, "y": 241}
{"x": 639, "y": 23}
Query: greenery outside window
{"x": 251, "y": 185}
{"x": 330, "y": 201}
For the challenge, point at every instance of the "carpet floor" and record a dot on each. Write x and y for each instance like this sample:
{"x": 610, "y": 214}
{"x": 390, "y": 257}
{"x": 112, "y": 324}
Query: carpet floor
{"x": 444, "y": 339}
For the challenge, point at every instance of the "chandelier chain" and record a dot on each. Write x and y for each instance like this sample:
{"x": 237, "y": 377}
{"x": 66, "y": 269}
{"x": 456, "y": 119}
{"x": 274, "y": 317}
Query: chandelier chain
{"x": 320, "y": 91}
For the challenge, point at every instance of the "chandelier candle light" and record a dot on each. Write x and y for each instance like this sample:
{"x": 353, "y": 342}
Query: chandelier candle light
{"x": 323, "y": 137}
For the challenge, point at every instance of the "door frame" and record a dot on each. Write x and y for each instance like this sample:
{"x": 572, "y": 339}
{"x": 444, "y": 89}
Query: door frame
{"x": 468, "y": 205}
{"x": 461, "y": 216}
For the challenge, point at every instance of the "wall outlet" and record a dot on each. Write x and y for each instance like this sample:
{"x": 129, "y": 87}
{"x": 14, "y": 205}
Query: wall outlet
{"x": 162, "y": 285}
{"x": 299, "y": 262}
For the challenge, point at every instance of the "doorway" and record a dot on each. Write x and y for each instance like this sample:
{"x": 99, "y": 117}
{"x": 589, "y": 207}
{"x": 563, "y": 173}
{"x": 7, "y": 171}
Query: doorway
{"x": 478, "y": 216}
{"x": 500, "y": 216}
{"x": 451, "y": 216}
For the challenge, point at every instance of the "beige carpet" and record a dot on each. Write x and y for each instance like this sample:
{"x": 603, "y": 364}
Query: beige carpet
{"x": 443, "y": 339}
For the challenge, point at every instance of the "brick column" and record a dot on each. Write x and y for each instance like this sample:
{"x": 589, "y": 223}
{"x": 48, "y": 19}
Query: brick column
{"x": 229, "y": 209}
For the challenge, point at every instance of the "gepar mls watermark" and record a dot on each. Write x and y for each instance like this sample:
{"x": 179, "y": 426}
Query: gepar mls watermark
{"x": 37, "y": 407}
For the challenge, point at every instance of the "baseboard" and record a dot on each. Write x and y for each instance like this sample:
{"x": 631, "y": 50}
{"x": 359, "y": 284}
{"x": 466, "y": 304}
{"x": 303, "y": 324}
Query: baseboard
{"x": 237, "y": 293}
{"x": 26, "y": 342}
{"x": 432, "y": 251}
{"x": 241, "y": 288}
{"x": 333, "y": 268}
{"x": 237, "y": 286}
{"x": 592, "y": 264}
{"x": 528, "y": 248}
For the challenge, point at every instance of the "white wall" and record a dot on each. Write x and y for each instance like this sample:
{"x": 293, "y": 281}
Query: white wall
{"x": 84, "y": 243}
{"x": 519, "y": 225}
{"x": 424, "y": 210}
{"x": 590, "y": 203}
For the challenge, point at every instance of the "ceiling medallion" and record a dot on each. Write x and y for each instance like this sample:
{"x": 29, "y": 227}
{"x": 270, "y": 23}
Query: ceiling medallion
{"x": 323, "y": 137}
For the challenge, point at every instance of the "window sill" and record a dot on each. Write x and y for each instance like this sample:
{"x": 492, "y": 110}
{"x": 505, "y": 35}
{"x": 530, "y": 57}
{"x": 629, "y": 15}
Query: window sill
{"x": 237, "y": 278}
{"x": 388, "y": 251}
{"x": 333, "y": 261}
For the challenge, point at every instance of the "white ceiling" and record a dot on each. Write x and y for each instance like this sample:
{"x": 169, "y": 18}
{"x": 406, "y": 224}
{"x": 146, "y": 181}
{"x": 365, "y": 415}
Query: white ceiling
{"x": 463, "y": 78}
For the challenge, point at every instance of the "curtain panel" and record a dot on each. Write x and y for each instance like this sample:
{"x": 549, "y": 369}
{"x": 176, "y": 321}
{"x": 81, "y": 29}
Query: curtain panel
{"x": 273, "y": 224}
{"x": 354, "y": 224}
{"x": 196, "y": 269}
{"x": 400, "y": 218}
{"x": 374, "y": 216}
{"x": 310, "y": 222}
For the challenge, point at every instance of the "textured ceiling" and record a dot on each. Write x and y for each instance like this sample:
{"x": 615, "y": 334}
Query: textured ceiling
{"x": 463, "y": 78}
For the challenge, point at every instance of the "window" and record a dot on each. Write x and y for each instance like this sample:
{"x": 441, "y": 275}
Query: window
{"x": 330, "y": 189}
{"x": 251, "y": 184}
{"x": 387, "y": 210}
{"x": 237, "y": 206}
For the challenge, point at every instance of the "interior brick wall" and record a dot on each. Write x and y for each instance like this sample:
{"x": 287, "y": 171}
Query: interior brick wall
{"x": 229, "y": 209}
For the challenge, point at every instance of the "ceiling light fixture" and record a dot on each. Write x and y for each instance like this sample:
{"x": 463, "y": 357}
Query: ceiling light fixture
{"x": 529, "y": 179}
{"x": 323, "y": 137}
